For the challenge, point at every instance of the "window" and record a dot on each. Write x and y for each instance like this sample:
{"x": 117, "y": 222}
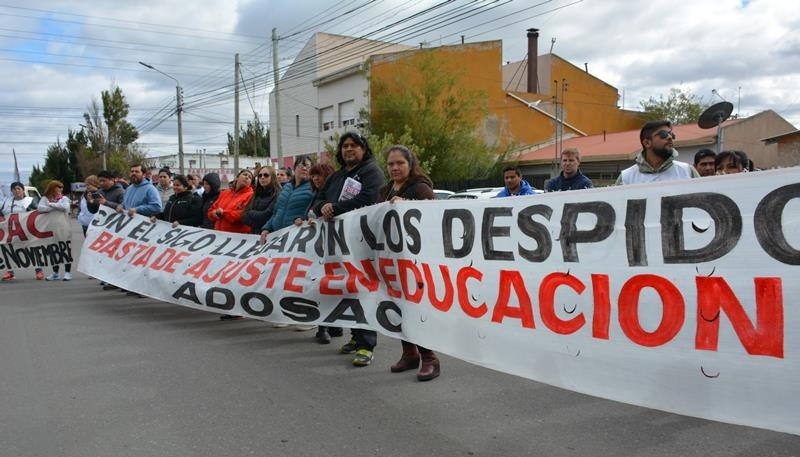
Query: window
{"x": 327, "y": 118}
{"x": 347, "y": 113}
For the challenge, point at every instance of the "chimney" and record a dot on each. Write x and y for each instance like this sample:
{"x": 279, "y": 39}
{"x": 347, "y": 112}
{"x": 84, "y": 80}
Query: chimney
{"x": 533, "y": 60}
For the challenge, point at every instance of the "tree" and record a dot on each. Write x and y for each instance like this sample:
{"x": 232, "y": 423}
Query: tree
{"x": 59, "y": 164}
{"x": 428, "y": 105}
{"x": 680, "y": 107}
{"x": 253, "y": 140}
{"x": 105, "y": 132}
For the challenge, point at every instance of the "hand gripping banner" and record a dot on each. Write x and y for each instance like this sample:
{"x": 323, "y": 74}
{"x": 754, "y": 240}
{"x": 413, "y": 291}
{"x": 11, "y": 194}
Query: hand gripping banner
{"x": 677, "y": 296}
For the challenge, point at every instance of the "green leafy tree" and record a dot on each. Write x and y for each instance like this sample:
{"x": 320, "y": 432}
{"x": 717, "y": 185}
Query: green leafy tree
{"x": 253, "y": 140}
{"x": 59, "y": 164}
{"x": 105, "y": 132}
{"x": 680, "y": 107}
{"x": 427, "y": 106}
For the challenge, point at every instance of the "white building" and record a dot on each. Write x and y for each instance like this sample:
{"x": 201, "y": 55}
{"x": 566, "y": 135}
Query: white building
{"x": 200, "y": 163}
{"x": 322, "y": 92}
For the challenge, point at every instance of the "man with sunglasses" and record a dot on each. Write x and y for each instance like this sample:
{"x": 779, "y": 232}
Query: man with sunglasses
{"x": 656, "y": 162}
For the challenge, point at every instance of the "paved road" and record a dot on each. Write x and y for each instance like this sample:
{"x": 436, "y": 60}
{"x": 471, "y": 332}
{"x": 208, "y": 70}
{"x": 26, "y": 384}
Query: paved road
{"x": 88, "y": 373}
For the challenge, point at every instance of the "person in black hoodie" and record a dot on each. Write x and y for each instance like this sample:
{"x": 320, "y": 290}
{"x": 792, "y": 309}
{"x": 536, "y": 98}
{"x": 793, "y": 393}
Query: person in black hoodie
{"x": 409, "y": 182}
{"x": 183, "y": 207}
{"x": 211, "y": 183}
{"x": 356, "y": 184}
{"x": 260, "y": 207}
{"x": 110, "y": 192}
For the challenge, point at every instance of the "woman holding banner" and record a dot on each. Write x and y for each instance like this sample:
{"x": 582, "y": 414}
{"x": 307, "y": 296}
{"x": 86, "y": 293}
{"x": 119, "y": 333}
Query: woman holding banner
{"x": 291, "y": 204}
{"x": 55, "y": 200}
{"x": 259, "y": 209}
{"x": 409, "y": 182}
{"x": 18, "y": 203}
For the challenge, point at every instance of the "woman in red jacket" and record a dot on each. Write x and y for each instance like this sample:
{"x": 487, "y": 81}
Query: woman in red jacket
{"x": 227, "y": 211}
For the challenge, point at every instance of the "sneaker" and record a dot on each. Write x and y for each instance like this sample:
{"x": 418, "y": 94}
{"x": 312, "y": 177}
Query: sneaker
{"x": 52, "y": 277}
{"x": 363, "y": 358}
{"x": 39, "y": 275}
{"x": 303, "y": 328}
{"x": 279, "y": 325}
{"x": 349, "y": 348}
{"x": 9, "y": 276}
{"x": 67, "y": 276}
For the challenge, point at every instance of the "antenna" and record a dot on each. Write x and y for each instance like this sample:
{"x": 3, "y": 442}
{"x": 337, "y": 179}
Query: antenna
{"x": 552, "y": 43}
{"x": 715, "y": 115}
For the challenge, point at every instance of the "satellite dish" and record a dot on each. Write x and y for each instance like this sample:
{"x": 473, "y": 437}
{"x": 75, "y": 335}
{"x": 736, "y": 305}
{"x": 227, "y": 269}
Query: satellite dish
{"x": 714, "y": 116}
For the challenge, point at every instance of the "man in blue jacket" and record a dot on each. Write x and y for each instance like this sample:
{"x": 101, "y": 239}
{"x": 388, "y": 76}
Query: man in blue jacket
{"x": 141, "y": 197}
{"x": 570, "y": 177}
{"x": 515, "y": 185}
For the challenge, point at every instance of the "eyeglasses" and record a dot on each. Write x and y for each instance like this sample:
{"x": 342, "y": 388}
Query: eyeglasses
{"x": 263, "y": 175}
{"x": 664, "y": 134}
{"x": 303, "y": 165}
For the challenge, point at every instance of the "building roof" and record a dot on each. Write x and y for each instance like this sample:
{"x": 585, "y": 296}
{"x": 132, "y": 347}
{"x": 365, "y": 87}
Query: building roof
{"x": 777, "y": 138}
{"x": 621, "y": 145}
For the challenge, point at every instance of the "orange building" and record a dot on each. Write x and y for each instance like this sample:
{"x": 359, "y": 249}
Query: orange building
{"x": 519, "y": 117}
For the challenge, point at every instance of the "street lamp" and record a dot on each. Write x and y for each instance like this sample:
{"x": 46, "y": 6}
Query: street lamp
{"x": 179, "y": 99}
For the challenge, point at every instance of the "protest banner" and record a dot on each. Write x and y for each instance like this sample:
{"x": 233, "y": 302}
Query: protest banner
{"x": 34, "y": 239}
{"x": 675, "y": 296}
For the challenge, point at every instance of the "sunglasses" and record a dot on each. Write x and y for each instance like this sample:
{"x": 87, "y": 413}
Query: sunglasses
{"x": 664, "y": 134}
{"x": 263, "y": 175}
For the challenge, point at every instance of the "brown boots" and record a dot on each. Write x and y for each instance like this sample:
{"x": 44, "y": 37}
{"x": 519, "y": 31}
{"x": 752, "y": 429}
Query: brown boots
{"x": 411, "y": 359}
{"x": 429, "y": 368}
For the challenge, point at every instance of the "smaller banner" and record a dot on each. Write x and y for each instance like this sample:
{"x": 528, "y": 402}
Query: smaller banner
{"x": 34, "y": 239}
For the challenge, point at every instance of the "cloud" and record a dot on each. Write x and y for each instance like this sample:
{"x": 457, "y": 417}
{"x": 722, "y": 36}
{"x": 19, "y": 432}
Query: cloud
{"x": 642, "y": 48}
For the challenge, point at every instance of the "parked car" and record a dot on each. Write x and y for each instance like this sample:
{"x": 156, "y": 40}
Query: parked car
{"x": 479, "y": 192}
{"x": 442, "y": 194}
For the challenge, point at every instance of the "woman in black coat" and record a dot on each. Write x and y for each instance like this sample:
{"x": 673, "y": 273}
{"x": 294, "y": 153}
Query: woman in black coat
{"x": 211, "y": 184}
{"x": 184, "y": 207}
{"x": 259, "y": 209}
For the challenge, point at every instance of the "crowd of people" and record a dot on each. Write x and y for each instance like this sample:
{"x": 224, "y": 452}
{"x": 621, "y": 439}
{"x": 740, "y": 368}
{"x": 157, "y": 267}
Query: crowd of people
{"x": 268, "y": 199}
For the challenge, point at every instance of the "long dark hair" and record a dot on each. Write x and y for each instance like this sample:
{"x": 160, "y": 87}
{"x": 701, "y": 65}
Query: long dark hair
{"x": 415, "y": 170}
{"x": 357, "y": 139}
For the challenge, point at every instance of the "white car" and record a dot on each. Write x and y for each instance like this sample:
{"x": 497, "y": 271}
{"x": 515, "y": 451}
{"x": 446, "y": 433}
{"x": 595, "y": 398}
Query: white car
{"x": 442, "y": 194}
{"x": 479, "y": 192}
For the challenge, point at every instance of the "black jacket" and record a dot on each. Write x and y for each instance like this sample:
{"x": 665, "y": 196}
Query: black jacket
{"x": 184, "y": 208}
{"x": 368, "y": 173}
{"x": 261, "y": 208}
{"x": 209, "y": 198}
{"x": 113, "y": 198}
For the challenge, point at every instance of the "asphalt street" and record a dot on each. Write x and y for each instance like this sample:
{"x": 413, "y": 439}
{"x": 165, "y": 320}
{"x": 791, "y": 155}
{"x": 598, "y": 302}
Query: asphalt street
{"x": 86, "y": 373}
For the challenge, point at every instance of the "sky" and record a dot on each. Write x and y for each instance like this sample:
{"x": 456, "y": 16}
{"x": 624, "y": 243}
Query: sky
{"x": 55, "y": 56}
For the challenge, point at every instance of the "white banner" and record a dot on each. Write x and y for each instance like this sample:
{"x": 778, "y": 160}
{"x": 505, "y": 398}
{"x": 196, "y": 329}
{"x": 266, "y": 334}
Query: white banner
{"x": 34, "y": 239}
{"x": 680, "y": 297}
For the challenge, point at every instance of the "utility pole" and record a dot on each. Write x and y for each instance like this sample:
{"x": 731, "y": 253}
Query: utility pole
{"x": 179, "y": 101}
{"x": 179, "y": 95}
{"x": 558, "y": 128}
{"x": 236, "y": 116}
{"x": 275, "y": 76}
{"x": 564, "y": 86}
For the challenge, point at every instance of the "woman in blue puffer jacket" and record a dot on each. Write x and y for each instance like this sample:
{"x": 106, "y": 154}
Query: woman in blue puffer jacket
{"x": 293, "y": 199}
